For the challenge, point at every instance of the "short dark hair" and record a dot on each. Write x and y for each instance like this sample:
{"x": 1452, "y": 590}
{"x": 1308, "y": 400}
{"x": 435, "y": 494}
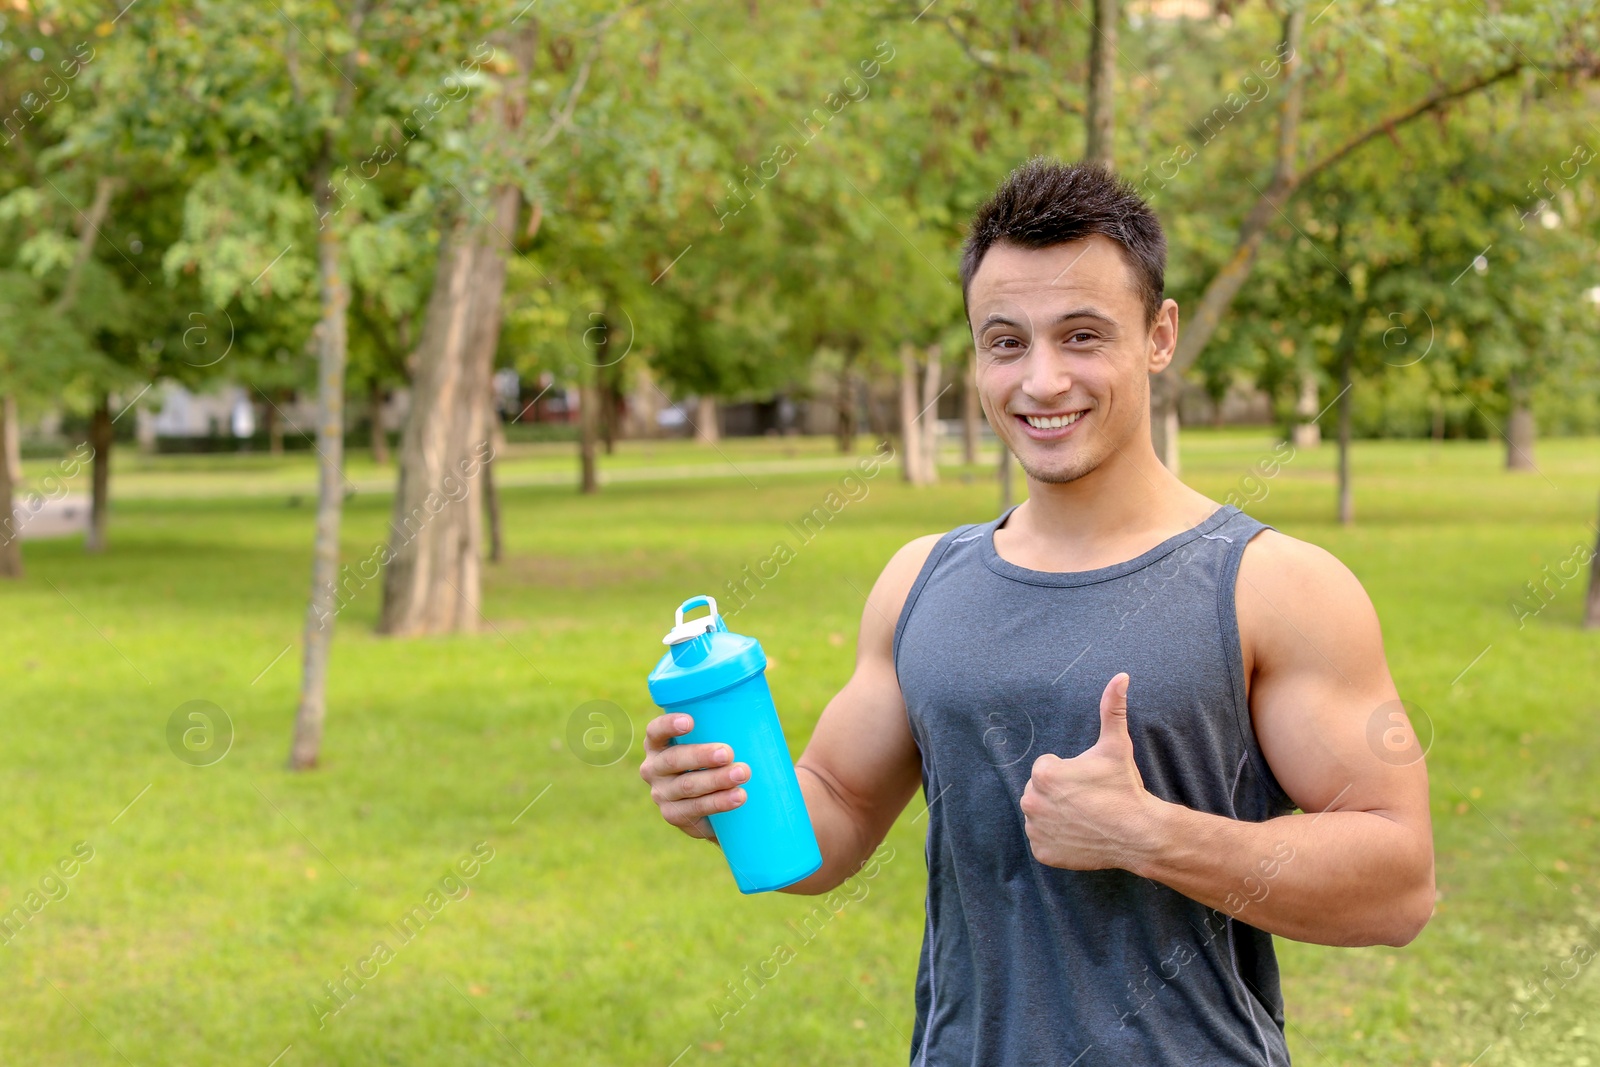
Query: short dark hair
{"x": 1045, "y": 202}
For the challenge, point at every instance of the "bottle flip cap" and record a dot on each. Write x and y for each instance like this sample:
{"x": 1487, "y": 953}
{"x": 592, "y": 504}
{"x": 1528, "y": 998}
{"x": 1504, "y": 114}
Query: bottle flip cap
{"x": 703, "y": 658}
{"x": 686, "y": 631}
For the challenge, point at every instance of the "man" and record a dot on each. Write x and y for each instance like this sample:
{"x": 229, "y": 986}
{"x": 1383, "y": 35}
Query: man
{"x": 1115, "y": 697}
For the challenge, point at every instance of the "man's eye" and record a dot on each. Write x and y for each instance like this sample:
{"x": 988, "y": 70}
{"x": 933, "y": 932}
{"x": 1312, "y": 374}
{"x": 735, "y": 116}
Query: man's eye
{"x": 1082, "y": 336}
{"x": 1007, "y": 343}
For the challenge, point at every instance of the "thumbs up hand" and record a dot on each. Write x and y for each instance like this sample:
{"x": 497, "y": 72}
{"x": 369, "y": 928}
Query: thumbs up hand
{"x": 1092, "y": 812}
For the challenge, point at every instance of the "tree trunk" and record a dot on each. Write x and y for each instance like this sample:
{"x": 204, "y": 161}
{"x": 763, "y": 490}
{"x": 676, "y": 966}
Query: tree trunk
{"x": 606, "y": 391}
{"x": 971, "y": 413}
{"x": 845, "y": 403}
{"x": 588, "y": 423}
{"x": 11, "y": 439}
{"x": 100, "y": 422}
{"x": 273, "y": 425}
{"x": 1521, "y": 430}
{"x": 433, "y": 581}
{"x": 491, "y": 495}
{"x": 707, "y": 430}
{"x": 595, "y": 410}
{"x": 306, "y": 747}
{"x": 1098, "y": 114}
{"x": 100, "y": 481}
{"x": 10, "y": 529}
{"x": 1347, "y": 503}
{"x": 872, "y": 397}
{"x": 1004, "y": 476}
{"x": 1224, "y": 286}
{"x": 927, "y": 416}
{"x": 1307, "y": 433}
{"x": 1164, "y": 390}
{"x": 910, "y": 438}
{"x": 646, "y": 404}
{"x": 1346, "y": 355}
{"x": 380, "y": 439}
{"x": 1591, "y": 614}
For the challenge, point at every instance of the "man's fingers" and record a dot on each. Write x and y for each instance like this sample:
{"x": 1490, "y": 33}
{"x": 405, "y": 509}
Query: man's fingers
{"x": 659, "y": 731}
{"x": 676, "y": 759}
{"x": 1029, "y": 798}
{"x": 699, "y": 783}
{"x": 701, "y": 830}
{"x": 1114, "y": 710}
{"x": 682, "y": 813}
{"x": 690, "y": 782}
{"x": 663, "y": 758}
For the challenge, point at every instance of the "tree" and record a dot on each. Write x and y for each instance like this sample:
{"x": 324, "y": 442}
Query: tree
{"x": 272, "y": 181}
{"x": 1384, "y": 277}
{"x": 1099, "y": 115}
{"x": 1559, "y": 43}
{"x": 48, "y": 173}
{"x": 1591, "y": 612}
{"x": 433, "y": 580}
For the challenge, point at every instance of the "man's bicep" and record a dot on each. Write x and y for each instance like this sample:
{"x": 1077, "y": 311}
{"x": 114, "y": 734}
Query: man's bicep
{"x": 1325, "y": 709}
{"x": 862, "y": 746}
{"x": 863, "y": 750}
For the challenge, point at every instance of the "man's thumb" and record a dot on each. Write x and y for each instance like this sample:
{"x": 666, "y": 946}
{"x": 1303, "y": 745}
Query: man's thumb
{"x": 1114, "y": 710}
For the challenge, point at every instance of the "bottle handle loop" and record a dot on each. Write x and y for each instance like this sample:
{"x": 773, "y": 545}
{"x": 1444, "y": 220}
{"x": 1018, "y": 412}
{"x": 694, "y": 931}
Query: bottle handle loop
{"x": 685, "y": 631}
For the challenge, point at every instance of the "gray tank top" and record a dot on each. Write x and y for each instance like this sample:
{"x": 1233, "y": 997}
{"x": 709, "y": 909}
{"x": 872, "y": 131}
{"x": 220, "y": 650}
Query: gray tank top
{"x": 1024, "y": 964}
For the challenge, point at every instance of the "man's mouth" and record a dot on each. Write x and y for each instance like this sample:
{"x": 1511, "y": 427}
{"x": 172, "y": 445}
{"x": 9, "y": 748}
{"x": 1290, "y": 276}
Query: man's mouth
{"x": 1051, "y": 422}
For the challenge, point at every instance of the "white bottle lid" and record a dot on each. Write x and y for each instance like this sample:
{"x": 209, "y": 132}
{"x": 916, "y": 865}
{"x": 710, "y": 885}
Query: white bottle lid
{"x": 687, "y": 631}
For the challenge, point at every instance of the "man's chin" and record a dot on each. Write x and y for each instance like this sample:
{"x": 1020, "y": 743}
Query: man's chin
{"x": 1056, "y": 473}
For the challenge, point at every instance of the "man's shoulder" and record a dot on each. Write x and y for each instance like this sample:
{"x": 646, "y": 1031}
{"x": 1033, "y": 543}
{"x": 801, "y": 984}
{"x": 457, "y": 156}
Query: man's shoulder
{"x": 916, "y": 551}
{"x": 1274, "y": 560}
{"x": 900, "y": 573}
{"x": 903, "y": 567}
{"x": 1294, "y": 596}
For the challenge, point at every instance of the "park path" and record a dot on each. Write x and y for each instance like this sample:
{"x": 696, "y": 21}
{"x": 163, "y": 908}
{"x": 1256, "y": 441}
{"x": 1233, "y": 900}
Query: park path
{"x": 169, "y": 486}
{"x": 61, "y": 517}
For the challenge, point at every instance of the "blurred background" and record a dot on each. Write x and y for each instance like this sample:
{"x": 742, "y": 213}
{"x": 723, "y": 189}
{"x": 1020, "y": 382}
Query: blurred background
{"x": 376, "y": 377}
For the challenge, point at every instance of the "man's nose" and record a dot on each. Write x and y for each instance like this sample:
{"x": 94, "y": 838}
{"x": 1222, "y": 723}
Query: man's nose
{"x": 1045, "y": 375}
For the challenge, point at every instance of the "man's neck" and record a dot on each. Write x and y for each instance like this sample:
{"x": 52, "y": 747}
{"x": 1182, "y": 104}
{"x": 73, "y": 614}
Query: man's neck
{"x": 1131, "y": 497}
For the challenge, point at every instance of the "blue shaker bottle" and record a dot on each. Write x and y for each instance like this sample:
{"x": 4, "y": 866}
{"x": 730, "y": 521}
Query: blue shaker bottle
{"x": 717, "y": 678}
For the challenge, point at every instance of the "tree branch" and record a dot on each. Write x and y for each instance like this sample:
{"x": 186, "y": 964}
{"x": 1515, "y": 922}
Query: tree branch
{"x": 972, "y": 53}
{"x": 1225, "y": 284}
{"x": 563, "y": 120}
{"x": 1432, "y": 102}
{"x": 88, "y": 230}
{"x": 1229, "y": 279}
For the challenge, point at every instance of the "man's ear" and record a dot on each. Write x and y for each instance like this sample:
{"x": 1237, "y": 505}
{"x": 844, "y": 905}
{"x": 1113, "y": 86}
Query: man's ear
{"x": 1163, "y": 336}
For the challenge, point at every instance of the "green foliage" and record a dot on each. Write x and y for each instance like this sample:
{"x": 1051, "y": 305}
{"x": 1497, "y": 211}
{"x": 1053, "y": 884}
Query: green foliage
{"x": 747, "y": 207}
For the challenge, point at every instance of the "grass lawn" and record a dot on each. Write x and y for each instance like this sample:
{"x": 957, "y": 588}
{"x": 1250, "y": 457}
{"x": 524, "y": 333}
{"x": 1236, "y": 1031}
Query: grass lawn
{"x": 218, "y": 901}
{"x": 171, "y": 476}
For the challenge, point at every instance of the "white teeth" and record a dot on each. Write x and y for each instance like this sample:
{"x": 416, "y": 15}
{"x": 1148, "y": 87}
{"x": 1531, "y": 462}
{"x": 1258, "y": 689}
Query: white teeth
{"x": 1054, "y": 422}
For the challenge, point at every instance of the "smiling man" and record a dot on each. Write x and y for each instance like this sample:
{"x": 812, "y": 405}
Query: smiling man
{"x": 1151, "y": 731}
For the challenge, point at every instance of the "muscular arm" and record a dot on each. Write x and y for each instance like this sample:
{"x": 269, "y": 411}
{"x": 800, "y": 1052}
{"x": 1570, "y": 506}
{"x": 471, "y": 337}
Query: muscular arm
{"x": 1355, "y": 866}
{"x": 861, "y": 765}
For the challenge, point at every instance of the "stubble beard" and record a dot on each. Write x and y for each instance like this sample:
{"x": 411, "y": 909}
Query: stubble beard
{"x": 1060, "y": 472}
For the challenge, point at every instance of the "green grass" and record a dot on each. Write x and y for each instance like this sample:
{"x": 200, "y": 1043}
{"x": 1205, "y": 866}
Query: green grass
{"x": 294, "y": 474}
{"x": 218, "y": 905}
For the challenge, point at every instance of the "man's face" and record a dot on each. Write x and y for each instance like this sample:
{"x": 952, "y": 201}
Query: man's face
{"x": 1064, "y": 353}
